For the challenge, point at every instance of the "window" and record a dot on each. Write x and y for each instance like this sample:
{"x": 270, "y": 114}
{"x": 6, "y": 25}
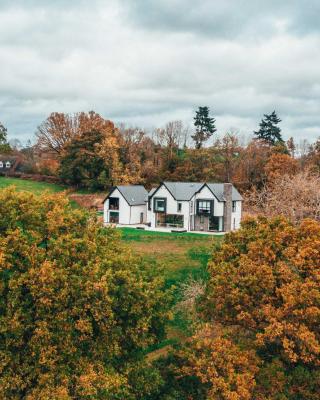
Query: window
{"x": 204, "y": 207}
{"x": 113, "y": 203}
{"x": 1, "y": 164}
{"x": 160, "y": 205}
{"x": 234, "y": 206}
{"x": 114, "y": 217}
{"x": 191, "y": 207}
{"x": 8, "y": 164}
{"x": 169, "y": 220}
{"x": 179, "y": 207}
{"x": 149, "y": 203}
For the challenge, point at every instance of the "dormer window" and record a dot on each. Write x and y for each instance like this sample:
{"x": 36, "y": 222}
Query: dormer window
{"x": 8, "y": 164}
{"x": 1, "y": 164}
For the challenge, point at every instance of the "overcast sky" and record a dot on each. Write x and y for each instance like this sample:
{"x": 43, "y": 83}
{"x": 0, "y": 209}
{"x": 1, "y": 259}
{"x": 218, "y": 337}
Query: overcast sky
{"x": 147, "y": 62}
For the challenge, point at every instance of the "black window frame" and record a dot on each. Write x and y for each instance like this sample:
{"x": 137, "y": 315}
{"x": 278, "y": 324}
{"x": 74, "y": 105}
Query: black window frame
{"x": 165, "y": 204}
{"x": 234, "y": 206}
{"x": 210, "y": 210}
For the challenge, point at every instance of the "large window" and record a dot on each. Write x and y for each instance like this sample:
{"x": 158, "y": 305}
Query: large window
{"x": 114, "y": 217}
{"x": 204, "y": 207}
{"x": 169, "y": 220}
{"x": 160, "y": 205}
{"x": 113, "y": 203}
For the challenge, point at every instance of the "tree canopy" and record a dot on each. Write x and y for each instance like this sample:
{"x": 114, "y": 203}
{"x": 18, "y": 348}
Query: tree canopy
{"x": 205, "y": 126}
{"x": 76, "y": 307}
{"x": 269, "y": 130}
{"x": 259, "y": 338}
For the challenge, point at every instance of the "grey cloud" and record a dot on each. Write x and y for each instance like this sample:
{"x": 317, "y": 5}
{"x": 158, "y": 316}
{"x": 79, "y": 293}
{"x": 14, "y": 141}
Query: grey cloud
{"x": 148, "y": 62}
{"x": 228, "y": 18}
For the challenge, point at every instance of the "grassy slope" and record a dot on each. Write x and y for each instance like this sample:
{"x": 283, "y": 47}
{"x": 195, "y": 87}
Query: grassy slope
{"x": 182, "y": 255}
{"x": 30, "y": 186}
{"x": 34, "y": 187}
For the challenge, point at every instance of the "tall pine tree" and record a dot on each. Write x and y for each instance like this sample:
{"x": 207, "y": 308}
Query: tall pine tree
{"x": 269, "y": 131}
{"x": 205, "y": 126}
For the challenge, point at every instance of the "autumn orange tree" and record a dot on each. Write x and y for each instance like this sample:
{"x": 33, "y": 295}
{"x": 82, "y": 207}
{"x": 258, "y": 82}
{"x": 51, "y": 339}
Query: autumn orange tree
{"x": 76, "y": 307}
{"x": 260, "y": 337}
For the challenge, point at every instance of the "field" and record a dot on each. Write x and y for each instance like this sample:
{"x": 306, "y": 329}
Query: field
{"x": 30, "y": 186}
{"x": 181, "y": 256}
{"x": 79, "y": 198}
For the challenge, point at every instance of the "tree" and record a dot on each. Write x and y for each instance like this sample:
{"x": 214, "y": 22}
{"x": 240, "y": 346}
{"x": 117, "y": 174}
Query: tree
{"x": 291, "y": 147}
{"x": 205, "y": 127}
{"x": 269, "y": 131}
{"x": 76, "y": 307}
{"x": 280, "y": 164}
{"x": 82, "y": 164}
{"x": 261, "y": 308}
{"x": 59, "y": 129}
{"x": 226, "y": 155}
{"x": 4, "y": 145}
{"x": 294, "y": 196}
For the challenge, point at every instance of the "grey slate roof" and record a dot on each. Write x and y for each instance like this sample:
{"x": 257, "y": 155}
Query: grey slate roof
{"x": 134, "y": 194}
{"x": 184, "y": 191}
{"x": 217, "y": 189}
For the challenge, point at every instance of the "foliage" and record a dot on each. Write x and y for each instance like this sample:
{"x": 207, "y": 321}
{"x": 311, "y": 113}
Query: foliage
{"x": 262, "y": 307}
{"x": 4, "y": 145}
{"x": 205, "y": 126}
{"x": 269, "y": 131}
{"x": 280, "y": 164}
{"x": 76, "y": 307}
{"x": 296, "y": 197}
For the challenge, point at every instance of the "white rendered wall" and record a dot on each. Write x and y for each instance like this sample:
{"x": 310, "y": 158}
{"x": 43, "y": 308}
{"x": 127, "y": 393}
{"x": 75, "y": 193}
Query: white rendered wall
{"x": 236, "y": 216}
{"x": 124, "y": 209}
{"x": 172, "y": 207}
{"x": 206, "y": 194}
{"x": 136, "y": 212}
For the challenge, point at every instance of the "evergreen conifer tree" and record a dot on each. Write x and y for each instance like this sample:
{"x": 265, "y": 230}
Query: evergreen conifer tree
{"x": 269, "y": 131}
{"x": 205, "y": 126}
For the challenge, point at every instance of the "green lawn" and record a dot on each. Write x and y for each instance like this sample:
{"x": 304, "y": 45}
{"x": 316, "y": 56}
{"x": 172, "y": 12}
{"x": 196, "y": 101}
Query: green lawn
{"x": 34, "y": 187}
{"x": 181, "y": 256}
{"x": 30, "y": 186}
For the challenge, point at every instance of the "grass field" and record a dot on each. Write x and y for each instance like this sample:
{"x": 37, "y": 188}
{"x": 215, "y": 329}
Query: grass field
{"x": 30, "y": 186}
{"x": 181, "y": 256}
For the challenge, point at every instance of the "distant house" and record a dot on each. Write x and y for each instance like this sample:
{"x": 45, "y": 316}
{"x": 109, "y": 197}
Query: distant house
{"x": 8, "y": 163}
{"x": 126, "y": 205}
{"x": 190, "y": 206}
{"x": 195, "y": 206}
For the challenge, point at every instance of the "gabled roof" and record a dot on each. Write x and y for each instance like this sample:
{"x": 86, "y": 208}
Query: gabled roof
{"x": 134, "y": 195}
{"x": 217, "y": 190}
{"x": 184, "y": 191}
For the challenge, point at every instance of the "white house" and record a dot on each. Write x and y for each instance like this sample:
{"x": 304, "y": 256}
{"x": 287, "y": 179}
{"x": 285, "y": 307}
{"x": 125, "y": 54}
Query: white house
{"x": 190, "y": 206}
{"x": 126, "y": 205}
{"x": 195, "y": 206}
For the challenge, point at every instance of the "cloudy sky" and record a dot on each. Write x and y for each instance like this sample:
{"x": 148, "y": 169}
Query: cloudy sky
{"x": 147, "y": 62}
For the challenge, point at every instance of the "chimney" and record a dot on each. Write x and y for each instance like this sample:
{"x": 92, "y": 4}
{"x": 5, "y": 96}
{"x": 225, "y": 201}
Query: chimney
{"x": 227, "y": 193}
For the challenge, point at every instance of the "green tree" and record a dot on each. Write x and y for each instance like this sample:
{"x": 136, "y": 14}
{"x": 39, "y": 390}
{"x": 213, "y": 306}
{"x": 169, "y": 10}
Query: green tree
{"x": 76, "y": 307}
{"x": 269, "y": 131}
{"x": 205, "y": 126}
{"x": 4, "y": 145}
{"x": 81, "y": 163}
